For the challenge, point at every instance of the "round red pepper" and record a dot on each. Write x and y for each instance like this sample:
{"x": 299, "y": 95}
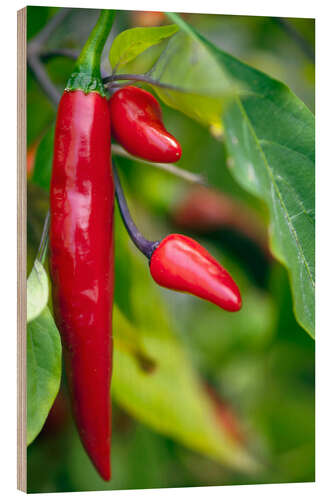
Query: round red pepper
{"x": 180, "y": 263}
{"x": 81, "y": 245}
{"x": 137, "y": 125}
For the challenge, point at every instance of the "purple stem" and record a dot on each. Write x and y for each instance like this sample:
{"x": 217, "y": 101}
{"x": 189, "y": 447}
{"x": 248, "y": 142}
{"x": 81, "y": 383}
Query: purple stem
{"x": 145, "y": 246}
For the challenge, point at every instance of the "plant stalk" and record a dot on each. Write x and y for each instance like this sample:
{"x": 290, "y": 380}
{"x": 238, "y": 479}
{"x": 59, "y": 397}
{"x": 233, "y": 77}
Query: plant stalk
{"x": 145, "y": 246}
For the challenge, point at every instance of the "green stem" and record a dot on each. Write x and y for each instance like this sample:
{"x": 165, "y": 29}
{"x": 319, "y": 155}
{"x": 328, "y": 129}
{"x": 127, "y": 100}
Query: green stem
{"x": 90, "y": 58}
{"x": 87, "y": 71}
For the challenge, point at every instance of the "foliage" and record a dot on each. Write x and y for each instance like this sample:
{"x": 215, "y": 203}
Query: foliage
{"x": 37, "y": 291}
{"x": 168, "y": 345}
{"x": 131, "y": 43}
{"x": 169, "y": 396}
{"x": 270, "y": 137}
{"x": 43, "y": 372}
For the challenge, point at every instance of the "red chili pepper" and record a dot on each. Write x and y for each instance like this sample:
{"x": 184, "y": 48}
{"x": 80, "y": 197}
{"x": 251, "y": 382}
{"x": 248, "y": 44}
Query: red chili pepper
{"x": 81, "y": 244}
{"x": 137, "y": 125}
{"x": 182, "y": 264}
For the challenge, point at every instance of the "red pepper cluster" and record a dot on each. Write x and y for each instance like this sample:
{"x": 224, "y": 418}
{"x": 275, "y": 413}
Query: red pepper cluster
{"x": 177, "y": 262}
{"x": 81, "y": 234}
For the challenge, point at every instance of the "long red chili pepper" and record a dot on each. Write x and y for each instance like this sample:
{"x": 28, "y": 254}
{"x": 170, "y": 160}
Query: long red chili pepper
{"x": 81, "y": 244}
{"x": 180, "y": 263}
{"x": 137, "y": 125}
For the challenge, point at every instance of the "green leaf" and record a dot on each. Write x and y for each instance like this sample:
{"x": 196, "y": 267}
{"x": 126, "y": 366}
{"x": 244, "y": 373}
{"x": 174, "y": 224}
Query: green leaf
{"x": 270, "y": 137}
{"x": 170, "y": 398}
{"x": 43, "y": 163}
{"x": 43, "y": 371}
{"x": 37, "y": 291}
{"x": 132, "y": 42}
{"x": 205, "y": 87}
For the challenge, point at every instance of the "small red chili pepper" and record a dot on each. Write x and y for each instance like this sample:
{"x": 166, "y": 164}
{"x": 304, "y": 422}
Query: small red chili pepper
{"x": 136, "y": 121}
{"x": 180, "y": 263}
{"x": 81, "y": 245}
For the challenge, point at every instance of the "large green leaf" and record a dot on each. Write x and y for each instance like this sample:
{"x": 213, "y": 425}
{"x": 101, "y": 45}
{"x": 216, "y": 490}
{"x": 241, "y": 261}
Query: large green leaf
{"x": 37, "y": 291}
{"x": 270, "y": 138}
{"x": 170, "y": 398}
{"x": 204, "y": 86}
{"x": 132, "y": 42}
{"x": 43, "y": 370}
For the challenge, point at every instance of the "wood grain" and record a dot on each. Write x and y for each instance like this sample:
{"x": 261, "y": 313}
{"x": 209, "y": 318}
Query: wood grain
{"x": 21, "y": 247}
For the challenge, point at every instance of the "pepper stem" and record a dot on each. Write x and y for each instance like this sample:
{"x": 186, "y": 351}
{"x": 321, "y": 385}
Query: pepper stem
{"x": 87, "y": 71}
{"x": 145, "y": 246}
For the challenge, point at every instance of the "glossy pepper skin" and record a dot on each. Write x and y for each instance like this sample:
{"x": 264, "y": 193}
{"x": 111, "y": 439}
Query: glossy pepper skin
{"x": 81, "y": 262}
{"x": 137, "y": 125}
{"x": 182, "y": 264}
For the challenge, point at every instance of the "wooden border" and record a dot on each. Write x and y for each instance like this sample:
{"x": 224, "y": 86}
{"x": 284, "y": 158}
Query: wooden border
{"x": 21, "y": 247}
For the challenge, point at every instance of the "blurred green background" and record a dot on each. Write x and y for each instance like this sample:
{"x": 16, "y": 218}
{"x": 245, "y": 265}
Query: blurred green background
{"x": 256, "y": 367}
